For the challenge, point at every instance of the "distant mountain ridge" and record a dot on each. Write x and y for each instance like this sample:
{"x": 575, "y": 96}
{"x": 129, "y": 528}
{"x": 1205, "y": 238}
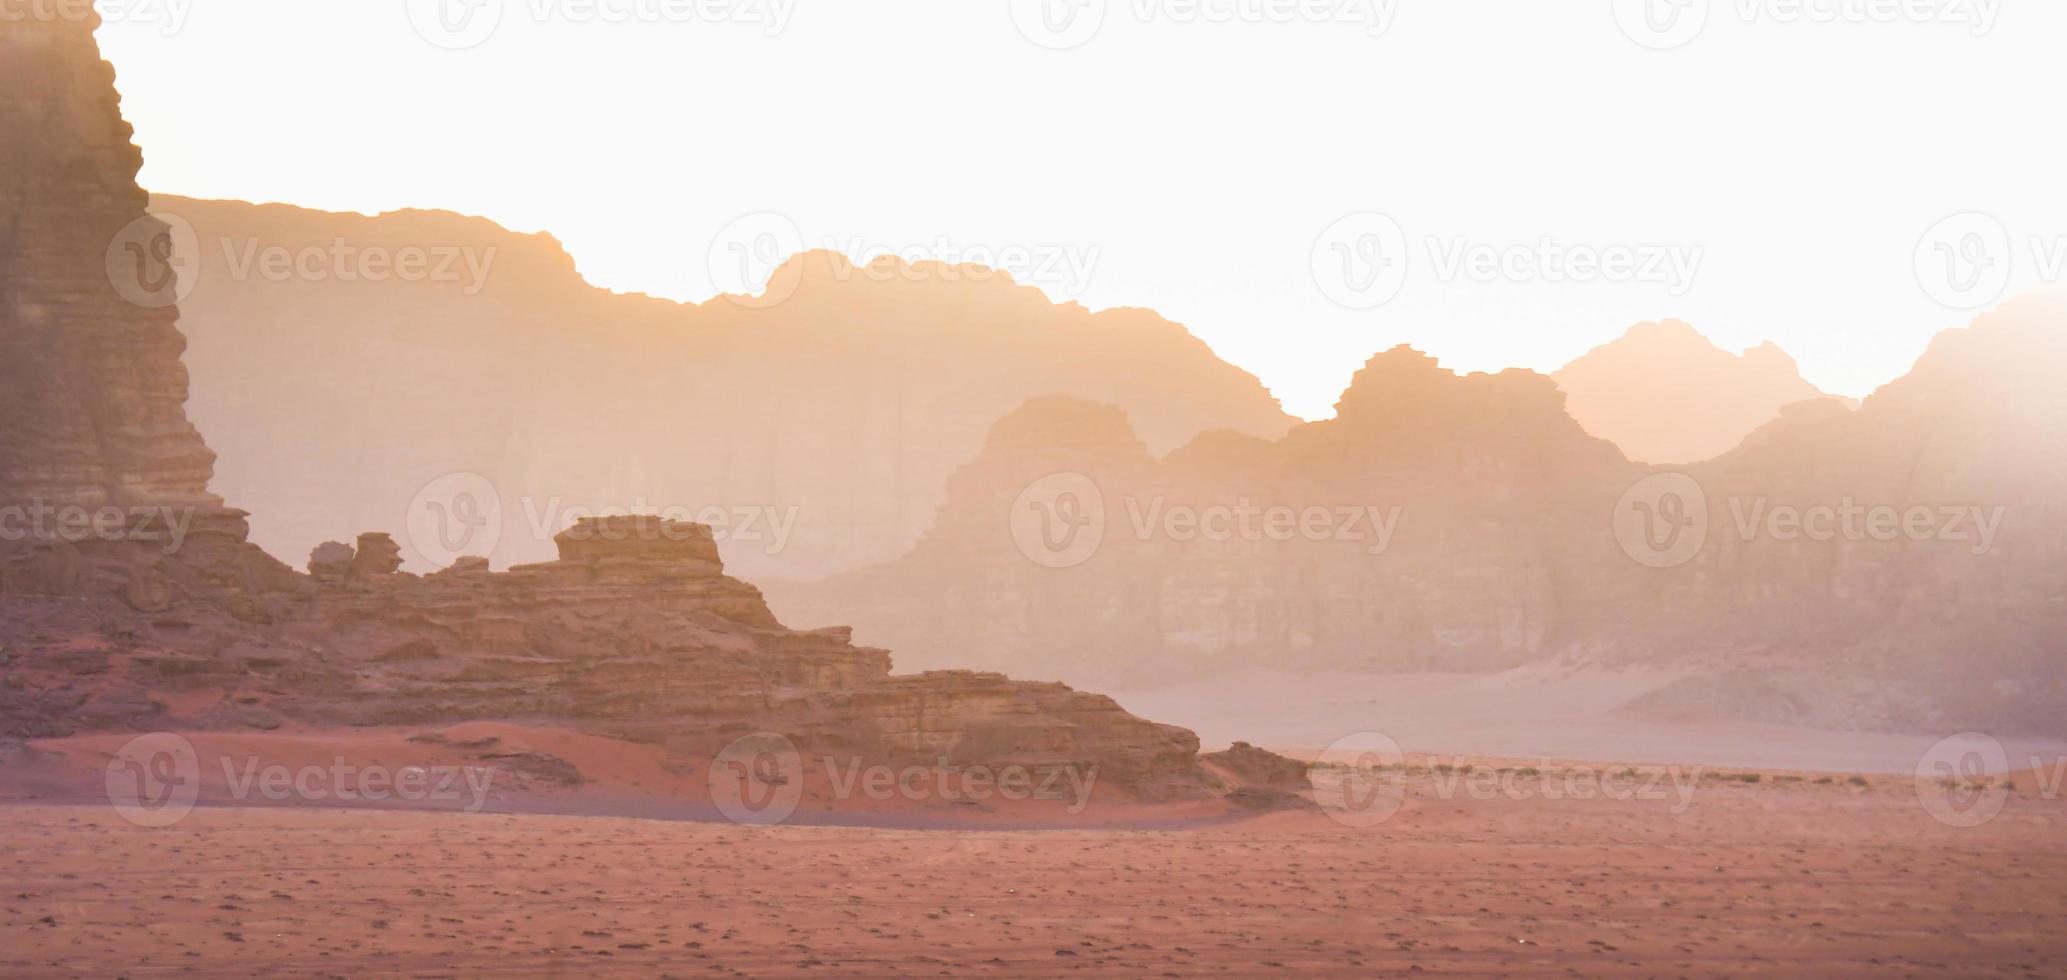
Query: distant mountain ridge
{"x": 1901, "y": 566}
{"x": 838, "y": 411}
{"x": 1444, "y": 505}
{"x": 1666, "y": 394}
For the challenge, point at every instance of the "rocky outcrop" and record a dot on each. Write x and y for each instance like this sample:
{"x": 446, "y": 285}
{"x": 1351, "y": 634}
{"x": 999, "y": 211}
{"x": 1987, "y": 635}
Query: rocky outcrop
{"x": 815, "y": 433}
{"x": 376, "y": 555}
{"x": 177, "y": 622}
{"x": 1663, "y": 393}
{"x": 1258, "y": 767}
{"x": 1261, "y": 781}
{"x": 631, "y": 634}
{"x": 331, "y": 562}
{"x": 635, "y": 632}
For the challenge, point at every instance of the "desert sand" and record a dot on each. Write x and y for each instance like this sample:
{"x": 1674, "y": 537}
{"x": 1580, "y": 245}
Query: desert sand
{"x": 1783, "y": 878}
{"x": 1534, "y": 712}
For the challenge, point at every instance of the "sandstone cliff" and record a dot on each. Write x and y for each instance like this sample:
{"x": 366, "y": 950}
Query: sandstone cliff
{"x": 91, "y": 386}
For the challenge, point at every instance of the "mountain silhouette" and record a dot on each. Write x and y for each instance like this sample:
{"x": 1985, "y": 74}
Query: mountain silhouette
{"x": 1666, "y": 394}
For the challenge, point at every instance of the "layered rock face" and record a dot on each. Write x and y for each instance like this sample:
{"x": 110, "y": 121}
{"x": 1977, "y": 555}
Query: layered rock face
{"x": 635, "y": 633}
{"x": 815, "y": 428}
{"x": 1894, "y": 567}
{"x": 1663, "y": 393}
{"x": 91, "y": 385}
{"x": 97, "y": 448}
{"x": 177, "y": 622}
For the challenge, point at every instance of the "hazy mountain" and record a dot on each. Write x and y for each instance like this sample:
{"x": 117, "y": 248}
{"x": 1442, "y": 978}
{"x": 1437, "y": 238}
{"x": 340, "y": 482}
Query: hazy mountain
{"x": 1899, "y": 566}
{"x": 1443, "y": 509}
{"x": 821, "y": 428}
{"x": 1666, "y": 394}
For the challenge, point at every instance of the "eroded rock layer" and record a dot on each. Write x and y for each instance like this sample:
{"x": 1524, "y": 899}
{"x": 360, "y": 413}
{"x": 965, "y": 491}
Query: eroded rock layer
{"x": 633, "y": 634}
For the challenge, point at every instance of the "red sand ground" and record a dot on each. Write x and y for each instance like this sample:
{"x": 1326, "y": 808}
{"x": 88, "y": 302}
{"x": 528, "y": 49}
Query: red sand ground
{"x": 1779, "y": 878}
{"x": 616, "y": 778}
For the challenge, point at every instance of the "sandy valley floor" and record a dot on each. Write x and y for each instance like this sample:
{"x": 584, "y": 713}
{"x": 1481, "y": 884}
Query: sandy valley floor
{"x": 1780, "y": 878}
{"x": 1544, "y": 710}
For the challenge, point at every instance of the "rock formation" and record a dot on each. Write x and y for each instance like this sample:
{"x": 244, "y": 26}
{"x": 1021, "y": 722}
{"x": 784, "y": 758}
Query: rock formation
{"x": 91, "y": 385}
{"x": 331, "y": 562}
{"x": 1664, "y": 394}
{"x": 844, "y": 407}
{"x": 1520, "y": 539}
{"x": 1261, "y": 780}
{"x": 1258, "y": 767}
{"x": 628, "y": 635}
{"x": 177, "y": 622}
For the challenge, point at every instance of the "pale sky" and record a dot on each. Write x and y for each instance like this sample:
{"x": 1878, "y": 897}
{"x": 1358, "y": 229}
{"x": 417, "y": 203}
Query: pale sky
{"x": 1191, "y": 157}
